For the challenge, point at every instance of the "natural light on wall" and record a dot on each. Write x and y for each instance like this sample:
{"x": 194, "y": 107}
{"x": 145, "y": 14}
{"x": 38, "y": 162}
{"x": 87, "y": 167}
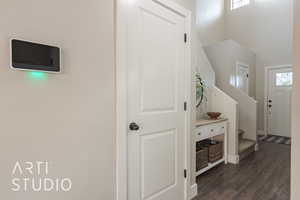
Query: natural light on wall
{"x": 239, "y": 3}
{"x": 209, "y": 13}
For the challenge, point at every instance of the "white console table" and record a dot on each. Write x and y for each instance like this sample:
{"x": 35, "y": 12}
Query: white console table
{"x": 206, "y": 129}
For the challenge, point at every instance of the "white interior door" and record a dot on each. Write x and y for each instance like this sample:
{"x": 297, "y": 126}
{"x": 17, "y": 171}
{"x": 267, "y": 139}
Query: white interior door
{"x": 156, "y": 95}
{"x": 242, "y": 77}
{"x": 279, "y": 101}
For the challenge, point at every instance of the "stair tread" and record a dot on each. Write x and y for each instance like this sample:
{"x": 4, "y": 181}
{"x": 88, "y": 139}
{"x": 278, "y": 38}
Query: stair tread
{"x": 241, "y": 131}
{"x": 244, "y": 144}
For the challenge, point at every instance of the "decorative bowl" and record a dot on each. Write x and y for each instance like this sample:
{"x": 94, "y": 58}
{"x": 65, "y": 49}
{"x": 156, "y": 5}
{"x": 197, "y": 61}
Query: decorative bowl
{"x": 214, "y": 115}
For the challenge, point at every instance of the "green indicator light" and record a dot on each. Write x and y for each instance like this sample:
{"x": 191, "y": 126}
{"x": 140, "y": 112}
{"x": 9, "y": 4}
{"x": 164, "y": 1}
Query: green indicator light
{"x": 35, "y": 75}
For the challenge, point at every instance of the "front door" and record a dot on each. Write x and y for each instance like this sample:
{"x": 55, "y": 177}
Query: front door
{"x": 279, "y": 101}
{"x": 156, "y": 95}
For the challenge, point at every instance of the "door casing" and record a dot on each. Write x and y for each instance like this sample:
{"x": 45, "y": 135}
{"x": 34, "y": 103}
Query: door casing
{"x": 266, "y": 91}
{"x": 122, "y": 7}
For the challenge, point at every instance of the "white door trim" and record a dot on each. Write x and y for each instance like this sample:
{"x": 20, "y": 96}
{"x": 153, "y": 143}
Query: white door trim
{"x": 238, "y": 63}
{"x": 267, "y": 69}
{"x": 122, "y": 7}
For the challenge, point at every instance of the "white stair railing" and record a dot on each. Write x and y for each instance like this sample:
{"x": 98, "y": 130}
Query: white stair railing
{"x": 247, "y": 108}
{"x": 225, "y": 104}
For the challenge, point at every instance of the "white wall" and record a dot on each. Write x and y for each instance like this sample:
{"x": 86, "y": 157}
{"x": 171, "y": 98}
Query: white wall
{"x": 69, "y": 118}
{"x": 208, "y": 75}
{"x": 265, "y": 26}
{"x": 223, "y": 57}
{"x": 210, "y": 21}
{"x": 295, "y": 173}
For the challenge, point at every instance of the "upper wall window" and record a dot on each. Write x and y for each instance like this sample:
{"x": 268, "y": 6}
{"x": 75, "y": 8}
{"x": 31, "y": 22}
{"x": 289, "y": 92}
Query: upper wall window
{"x": 239, "y": 3}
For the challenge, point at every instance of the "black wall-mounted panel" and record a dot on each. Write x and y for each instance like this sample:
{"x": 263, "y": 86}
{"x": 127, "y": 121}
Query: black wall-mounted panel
{"x": 32, "y": 56}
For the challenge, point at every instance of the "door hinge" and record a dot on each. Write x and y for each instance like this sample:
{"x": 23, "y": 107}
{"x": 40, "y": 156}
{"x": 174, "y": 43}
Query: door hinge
{"x": 185, "y": 38}
{"x": 247, "y": 75}
{"x": 185, "y": 106}
{"x": 185, "y": 173}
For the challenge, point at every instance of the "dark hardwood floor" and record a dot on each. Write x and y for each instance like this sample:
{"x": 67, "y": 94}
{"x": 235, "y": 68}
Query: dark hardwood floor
{"x": 264, "y": 175}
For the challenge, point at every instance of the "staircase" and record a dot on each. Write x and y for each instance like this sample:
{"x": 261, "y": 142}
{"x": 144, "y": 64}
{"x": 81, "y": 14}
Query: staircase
{"x": 242, "y": 110}
{"x": 246, "y": 146}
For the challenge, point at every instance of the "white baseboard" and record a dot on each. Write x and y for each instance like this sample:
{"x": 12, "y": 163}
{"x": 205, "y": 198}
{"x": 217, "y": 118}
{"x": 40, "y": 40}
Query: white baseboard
{"x": 233, "y": 159}
{"x": 256, "y": 147}
{"x": 194, "y": 191}
{"x": 261, "y": 132}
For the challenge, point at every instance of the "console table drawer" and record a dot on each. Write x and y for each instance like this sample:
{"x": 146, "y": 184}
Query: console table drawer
{"x": 202, "y": 132}
{"x": 208, "y": 131}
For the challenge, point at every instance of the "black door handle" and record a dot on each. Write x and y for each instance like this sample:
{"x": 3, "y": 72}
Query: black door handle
{"x": 133, "y": 126}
